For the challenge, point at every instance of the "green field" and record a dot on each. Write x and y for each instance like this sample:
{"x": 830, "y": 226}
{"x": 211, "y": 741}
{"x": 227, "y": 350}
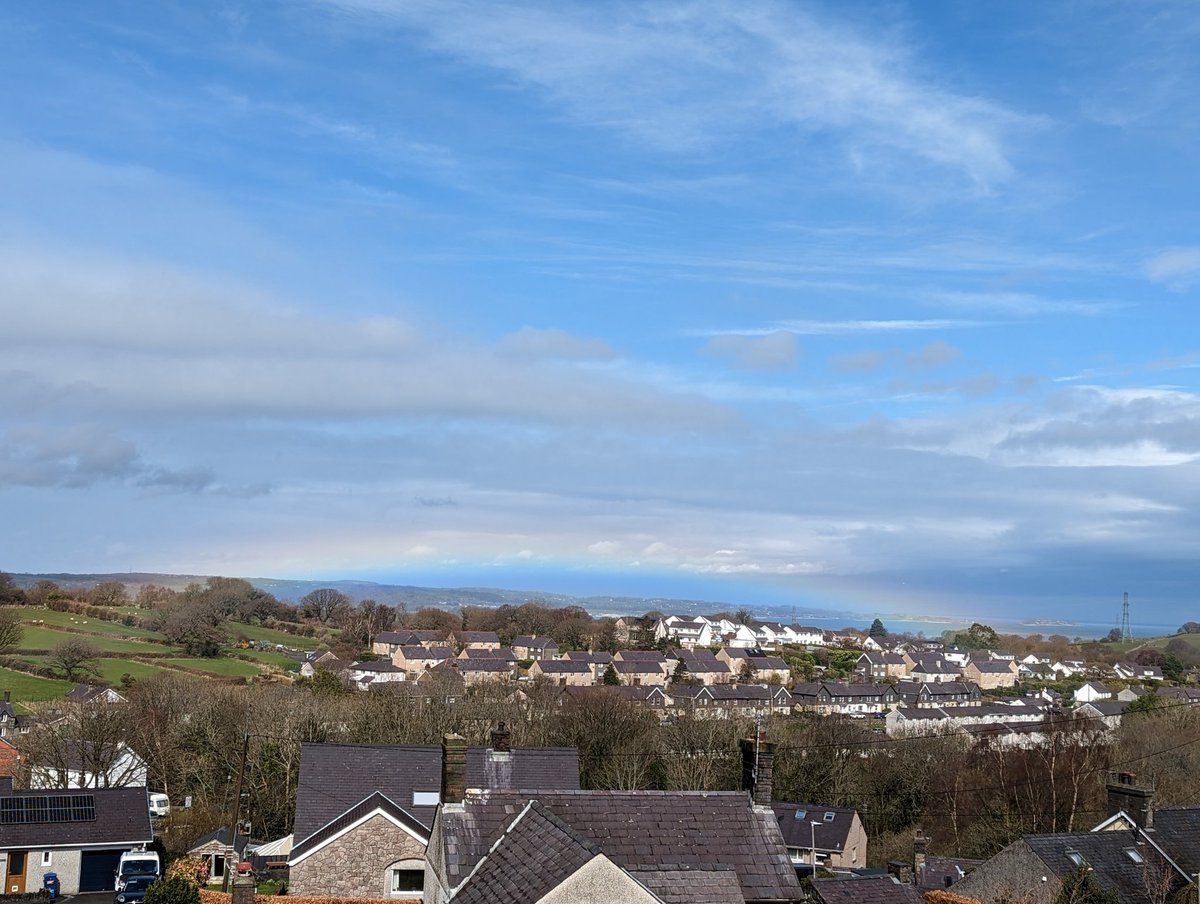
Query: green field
{"x": 281, "y": 661}
{"x": 226, "y": 668}
{"x": 38, "y": 638}
{"x": 256, "y": 632}
{"x": 30, "y": 687}
{"x": 82, "y": 622}
{"x": 111, "y": 668}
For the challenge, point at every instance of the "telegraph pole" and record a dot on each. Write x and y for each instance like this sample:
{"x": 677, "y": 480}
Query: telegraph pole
{"x": 231, "y": 861}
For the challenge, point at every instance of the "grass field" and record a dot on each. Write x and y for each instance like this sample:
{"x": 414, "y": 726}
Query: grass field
{"x": 255, "y": 632}
{"x": 111, "y": 668}
{"x": 82, "y": 622}
{"x": 38, "y": 638}
{"x": 30, "y": 687}
{"x": 281, "y": 661}
{"x": 226, "y": 668}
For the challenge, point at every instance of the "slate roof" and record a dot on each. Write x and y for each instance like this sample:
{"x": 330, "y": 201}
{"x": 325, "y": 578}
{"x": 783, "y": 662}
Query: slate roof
{"x": 417, "y": 652}
{"x": 122, "y": 816}
{"x": 870, "y": 890}
{"x": 376, "y": 665}
{"x": 639, "y": 656}
{"x": 536, "y": 643}
{"x": 397, "y": 637}
{"x": 768, "y": 663}
{"x": 731, "y": 693}
{"x": 563, "y": 667}
{"x": 374, "y": 802}
{"x": 491, "y": 666}
{"x": 476, "y": 637}
{"x": 505, "y": 654}
{"x": 992, "y": 666}
{"x": 940, "y": 869}
{"x": 638, "y": 667}
{"x": 1177, "y": 831}
{"x": 337, "y": 777}
{"x": 1105, "y": 853}
{"x": 221, "y": 836}
{"x": 85, "y": 693}
{"x": 598, "y": 657}
{"x": 795, "y": 824}
{"x": 1107, "y": 707}
{"x": 680, "y": 885}
{"x": 638, "y": 829}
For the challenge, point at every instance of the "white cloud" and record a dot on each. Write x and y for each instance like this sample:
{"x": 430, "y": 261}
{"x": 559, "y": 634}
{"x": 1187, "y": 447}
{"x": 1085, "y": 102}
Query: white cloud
{"x": 1178, "y": 268}
{"x": 692, "y": 74}
{"x": 533, "y": 343}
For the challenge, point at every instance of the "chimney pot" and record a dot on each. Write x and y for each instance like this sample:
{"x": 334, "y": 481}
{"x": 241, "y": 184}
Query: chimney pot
{"x": 501, "y": 739}
{"x": 8, "y": 696}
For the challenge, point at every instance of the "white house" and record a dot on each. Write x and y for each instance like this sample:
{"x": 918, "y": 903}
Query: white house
{"x": 85, "y": 765}
{"x": 1091, "y": 692}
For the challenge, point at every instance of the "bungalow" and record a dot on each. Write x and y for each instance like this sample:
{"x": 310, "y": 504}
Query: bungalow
{"x": 1131, "y": 671}
{"x": 364, "y": 813}
{"x": 1069, "y": 668}
{"x": 214, "y": 849}
{"x": 84, "y": 764}
{"x": 831, "y": 837}
{"x": 1106, "y": 712}
{"x": 374, "y": 672}
{"x": 323, "y": 660}
{"x": 78, "y": 834}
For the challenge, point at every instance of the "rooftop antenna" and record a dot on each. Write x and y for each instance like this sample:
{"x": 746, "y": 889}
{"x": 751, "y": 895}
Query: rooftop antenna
{"x": 1125, "y": 635}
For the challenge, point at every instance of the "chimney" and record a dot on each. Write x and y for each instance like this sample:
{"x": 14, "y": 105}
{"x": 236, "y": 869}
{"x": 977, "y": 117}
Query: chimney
{"x": 1124, "y": 793}
{"x": 454, "y": 769}
{"x": 501, "y": 739}
{"x": 758, "y": 768}
{"x": 8, "y": 696}
{"x": 919, "y": 844}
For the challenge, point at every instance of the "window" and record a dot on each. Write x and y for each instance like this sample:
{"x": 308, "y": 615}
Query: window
{"x": 426, "y": 798}
{"x": 406, "y": 878}
{"x": 829, "y": 817}
{"x": 800, "y": 814}
{"x": 1076, "y": 858}
{"x": 1133, "y": 854}
{"x": 45, "y": 858}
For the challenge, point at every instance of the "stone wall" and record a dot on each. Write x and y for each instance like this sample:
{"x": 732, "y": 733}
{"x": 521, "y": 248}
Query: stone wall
{"x": 1013, "y": 874}
{"x": 355, "y": 865}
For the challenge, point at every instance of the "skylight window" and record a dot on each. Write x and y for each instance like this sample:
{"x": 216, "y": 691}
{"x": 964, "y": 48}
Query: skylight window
{"x": 800, "y": 814}
{"x": 830, "y": 817}
{"x": 1076, "y": 858}
{"x": 1134, "y": 854}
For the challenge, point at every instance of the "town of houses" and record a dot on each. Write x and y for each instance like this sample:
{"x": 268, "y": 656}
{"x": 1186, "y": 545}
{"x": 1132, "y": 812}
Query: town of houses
{"x": 460, "y": 823}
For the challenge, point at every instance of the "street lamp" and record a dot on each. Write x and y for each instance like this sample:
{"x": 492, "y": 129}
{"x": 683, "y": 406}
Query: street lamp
{"x": 814, "y": 847}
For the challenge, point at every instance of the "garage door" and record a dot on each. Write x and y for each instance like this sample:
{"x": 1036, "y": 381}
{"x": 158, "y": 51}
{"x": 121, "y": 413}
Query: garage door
{"x": 98, "y": 869}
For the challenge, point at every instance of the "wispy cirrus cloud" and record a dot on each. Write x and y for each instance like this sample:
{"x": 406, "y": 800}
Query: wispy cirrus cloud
{"x": 1177, "y": 268}
{"x": 840, "y": 327}
{"x": 695, "y": 74}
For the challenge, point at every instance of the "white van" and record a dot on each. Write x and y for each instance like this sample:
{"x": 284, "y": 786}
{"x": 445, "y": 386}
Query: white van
{"x": 160, "y": 805}
{"x": 137, "y": 863}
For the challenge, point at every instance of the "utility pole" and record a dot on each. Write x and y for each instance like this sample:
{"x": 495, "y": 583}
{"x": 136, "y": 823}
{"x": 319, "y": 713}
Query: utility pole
{"x": 231, "y": 860}
{"x": 1125, "y": 635}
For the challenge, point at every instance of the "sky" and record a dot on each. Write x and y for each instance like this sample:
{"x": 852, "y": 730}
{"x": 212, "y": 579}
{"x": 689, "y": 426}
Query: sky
{"x": 887, "y": 306}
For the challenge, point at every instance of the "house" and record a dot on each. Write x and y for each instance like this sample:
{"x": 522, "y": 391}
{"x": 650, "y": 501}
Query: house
{"x": 478, "y": 640}
{"x": 1106, "y": 711}
{"x": 608, "y": 846}
{"x": 769, "y": 669}
{"x": 10, "y": 759}
{"x": 214, "y": 848}
{"x": 932, "y": 668}
{"x": 1131, "y": 671}
{"x": 645, "y": 656}
{"x": 627, "y": 628}
{"x": 79, "y": 834}
{"x": 323, "y": 660}
{"x": 83, "y": 764}
{"x": 990, "y": 674}
{"x": 93, "y": 693}
{"x": 842, "y": 698}
{"x": 385, "y": 643}
{"x": 12, "y": 723}
{"x": 364, "y": 812}
{"x": 853, "y": 889}
{"x": 478, "y": 671}
{"x": 934, "y": 694}
{"x": 1092, "y": 691}
{"x": 879, "y": 666}
{"x": 640, "y": 671}
{"x": 1069, "y": 668}
{"x": 808, "y": 636}
{"x": 832, "y": 837}
{"x": 1133, "y": 692}
{"x": 701, "y": 666}
{"x": 374, "y": 672}
{"x": 598, "y": 661}
{"x": 731, "y": 700}
{"x": 689, "y": 633}
{"x": 564, "y": 672}
{"x": 533, "y": 647}
{"x": 416, "y": 659}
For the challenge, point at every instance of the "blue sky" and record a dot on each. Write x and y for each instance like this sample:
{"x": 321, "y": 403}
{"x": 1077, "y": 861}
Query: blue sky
{"x": 886, "y": 306}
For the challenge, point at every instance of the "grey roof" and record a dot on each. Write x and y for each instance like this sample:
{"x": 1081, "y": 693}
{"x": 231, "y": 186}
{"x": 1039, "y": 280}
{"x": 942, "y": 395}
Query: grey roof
{"x": 535, "y": 854}
{"x": 221, "y": 836}
{"x": 563, "y": 667}
{"x": 336, "y": 777}
{"x": 1106, "y": 854}
{"x": 993, "y": 666}
{"x": 376, "y": 665}
{"x": 537, "y": 643}
{"x": 122, "y": 816}
{"x": 734, "y": 693}
{"x": 869, "y": 890}
{"x": 647, "y": 829}
{"x": 692, "y": 885}
{"x": 638, "y": 667}
{"x": 492, "y": 665}
{"x": 396, "y": 637}
{"x": 85, "y": 693}
{"x": 942, "y": 872}
{"x": 1107, "y": 707}
{"x": 418, "y": 652}
{"x": 375, "y": 802}
{"x": 1177, "y": 831}
{"x": 476, "y": 637}
{"x": 795, "y": 824}
{"x": 639, "y": 656}
{"x": 768, "y": 662}
{"x": 597, "y": 656}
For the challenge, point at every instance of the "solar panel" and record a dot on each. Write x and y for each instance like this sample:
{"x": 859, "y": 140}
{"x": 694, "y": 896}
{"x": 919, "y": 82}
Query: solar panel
{"x": 48, "y": 808}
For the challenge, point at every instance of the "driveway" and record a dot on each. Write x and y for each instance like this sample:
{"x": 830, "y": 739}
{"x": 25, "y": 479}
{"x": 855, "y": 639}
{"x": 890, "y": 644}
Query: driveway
{"x": 90, "y": 897}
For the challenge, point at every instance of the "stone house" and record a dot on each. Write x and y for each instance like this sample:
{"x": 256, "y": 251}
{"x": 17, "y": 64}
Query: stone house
{"x": 597, "y": 660}
{"x": 640, "y": 671}
{"x": 214, "y": 848}
{"x": 653, "y": 656}
{"x": 416, "y": 659}
{"x": 364, "y": 812}
{"x": 479, "y": 671}
{"x": 700, "y": 666}
{"x": 880, "y": 666}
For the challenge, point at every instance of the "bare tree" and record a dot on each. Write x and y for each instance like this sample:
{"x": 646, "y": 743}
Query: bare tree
{"x": 82, "y": 746}
{"x": 11, "y": 630}
{"x": 324, "y": 604}
{"x": 75, "y": 659}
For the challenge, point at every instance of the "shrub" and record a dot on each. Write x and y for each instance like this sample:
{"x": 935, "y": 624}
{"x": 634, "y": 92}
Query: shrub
{"x": 177, "y": 889}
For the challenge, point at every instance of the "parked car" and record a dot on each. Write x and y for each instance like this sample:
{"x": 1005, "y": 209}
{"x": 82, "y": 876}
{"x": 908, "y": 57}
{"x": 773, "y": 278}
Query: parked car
{"x": 134, "y": 890}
